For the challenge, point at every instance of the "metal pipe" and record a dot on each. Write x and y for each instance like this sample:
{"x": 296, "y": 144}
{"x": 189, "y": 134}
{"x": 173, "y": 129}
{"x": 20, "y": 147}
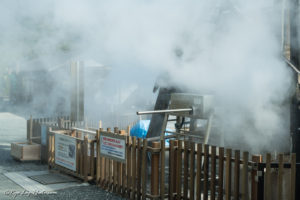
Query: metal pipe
{"x": 164, "y": 111}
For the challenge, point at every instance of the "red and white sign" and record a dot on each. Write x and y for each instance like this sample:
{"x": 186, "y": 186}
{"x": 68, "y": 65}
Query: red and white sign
{"x": 113, "y": 146}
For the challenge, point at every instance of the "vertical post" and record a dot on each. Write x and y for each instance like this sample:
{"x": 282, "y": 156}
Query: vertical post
{"x": 192, "y": 171}
{"x": 206, "y": 165}
{"x": 228, "y": 175}
{"x": 155, "y": 170}
{"x": 128, "y": 166}
{"x": 92, "y": 159}
{"x": 213, "y": 173}
{"x": 186, "y": 168}
{"x": 139, "y": 170}
{"x": 144, "y": 170}
{"x": 254, "y": 178}
{"x": 236, "y": 194}
{"x": 179, "y": 163}
{"x": 199, "y": 169}
{"x": 245, "y": 195}
{"x": 221, "y": 173}
{"x": 85, "y": 158}
{"x": 171, "y": 169}
{"x": 162, "y": 170}
{"x": 267, "y": 192}
{"x": 98, "y": 171}
{"x": 133, "y": 166}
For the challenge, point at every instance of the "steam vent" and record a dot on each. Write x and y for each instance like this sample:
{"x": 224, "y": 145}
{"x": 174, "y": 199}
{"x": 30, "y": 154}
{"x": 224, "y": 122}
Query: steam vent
{"x": 150, "y": 99}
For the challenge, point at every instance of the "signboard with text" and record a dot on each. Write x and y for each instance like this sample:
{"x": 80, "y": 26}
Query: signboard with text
{"x": 113, "y": 146}
{"x": 65, "y": 151}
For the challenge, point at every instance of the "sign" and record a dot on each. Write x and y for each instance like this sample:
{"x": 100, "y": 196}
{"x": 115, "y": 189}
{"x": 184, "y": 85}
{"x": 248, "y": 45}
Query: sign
{"x": 113, "y": 146}
{"x": 65, "y": 151}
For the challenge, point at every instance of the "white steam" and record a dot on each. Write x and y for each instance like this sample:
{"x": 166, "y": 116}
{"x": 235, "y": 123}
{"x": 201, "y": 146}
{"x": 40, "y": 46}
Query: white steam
{"x": 229, "y": 48}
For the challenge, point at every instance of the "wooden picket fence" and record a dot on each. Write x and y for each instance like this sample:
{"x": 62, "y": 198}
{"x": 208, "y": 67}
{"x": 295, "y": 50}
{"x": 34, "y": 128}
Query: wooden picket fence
{"x": 85, "y": 155}
{"x": 183, "y": 170}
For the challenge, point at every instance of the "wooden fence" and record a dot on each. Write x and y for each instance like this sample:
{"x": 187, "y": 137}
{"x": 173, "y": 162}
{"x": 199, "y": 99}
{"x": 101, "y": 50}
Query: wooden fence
{"x": 85, "y": 155}
{"x": 184, "y": 170}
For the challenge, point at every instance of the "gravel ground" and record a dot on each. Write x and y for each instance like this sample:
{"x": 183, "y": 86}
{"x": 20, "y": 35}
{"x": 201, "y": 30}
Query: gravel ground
{"x": 13, "y": 129}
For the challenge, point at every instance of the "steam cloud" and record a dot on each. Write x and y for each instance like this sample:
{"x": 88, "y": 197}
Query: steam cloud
{"x": 227, "y": 48}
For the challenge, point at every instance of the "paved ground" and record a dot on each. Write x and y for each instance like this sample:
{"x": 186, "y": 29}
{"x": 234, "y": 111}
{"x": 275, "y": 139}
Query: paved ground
{"x": 13, "y": 129}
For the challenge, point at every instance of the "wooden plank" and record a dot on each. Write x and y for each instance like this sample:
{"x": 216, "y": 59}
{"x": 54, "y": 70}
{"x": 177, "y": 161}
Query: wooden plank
{"x": 81, "y": 158}
{"x": 171, "y": 169}
{"x": 85, "y": 158}
{"x": 92, "y": 164}
{"x": 228, "y": 175}
{"x": 192, "y": 171}
{"x": 144, "y": 170}
{"x": 155, "y": 170}
{"x": 221, "y": 173}
{"x": 205, "y": 172}
{"x": 78, "y": 157}
{"x": 267, "y": 187}
{"x": 128, "y": 166}
{"x": 245, "y": 195}
{"x": 254, "y": 178}
{"x": 139, "y": 170}
{"x": 186, "y": 168}
{"x": 133, "y": 166}
{"x": 280, "y": 176}
{"x": 162, "y": 170}
{"x": 178, "y": 175}
{"x": 236, "y": 191}
{"x": 98, "y": 165}
{"x": 198, "y": 172}
{"x": 115, "y": 176}
{"x": 293, "y": 176}
{"x": 213, "y": 173}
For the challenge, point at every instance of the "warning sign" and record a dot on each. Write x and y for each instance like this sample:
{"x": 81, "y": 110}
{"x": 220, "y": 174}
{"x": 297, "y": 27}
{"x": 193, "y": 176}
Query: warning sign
{"x": 65, "y": 151}
{"x": 113, "y": 146}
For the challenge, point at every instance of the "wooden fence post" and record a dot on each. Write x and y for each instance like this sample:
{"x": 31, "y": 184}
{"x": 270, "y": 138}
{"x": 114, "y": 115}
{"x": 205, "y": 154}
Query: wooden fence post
{"x": 254, "y": 185}
{"x": 245, "y": 195}
{"x": 267, "y": 187}
{"x": 144, "y": 170}
{"x": 213, "y": 173}
{"x": 185, "y": 170}
{"x": 85, "y": 158}
{"x": 179, "y": 166}
{"x": 139, "y": 169}
{"x": 199, "y": 170}
{"x": 133, "y": 167}
{"x": 205, "y": 173}
{"x": 236, "y": 192}
{"x": 221, "y": 173}
{"x": 192, "y": 171}
{"x": 128, "y": 166}
{"x": 155, "y": 170}
{"x": 98, "y": 164}
{"x": 162, "y": 170}
{"x": 171, "y": 169}
{"x": 228, "y": 175}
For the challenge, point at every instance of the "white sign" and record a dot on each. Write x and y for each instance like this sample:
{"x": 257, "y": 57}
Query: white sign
{"x": 65, "y": 151}
{"x": 113, "y": 146}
